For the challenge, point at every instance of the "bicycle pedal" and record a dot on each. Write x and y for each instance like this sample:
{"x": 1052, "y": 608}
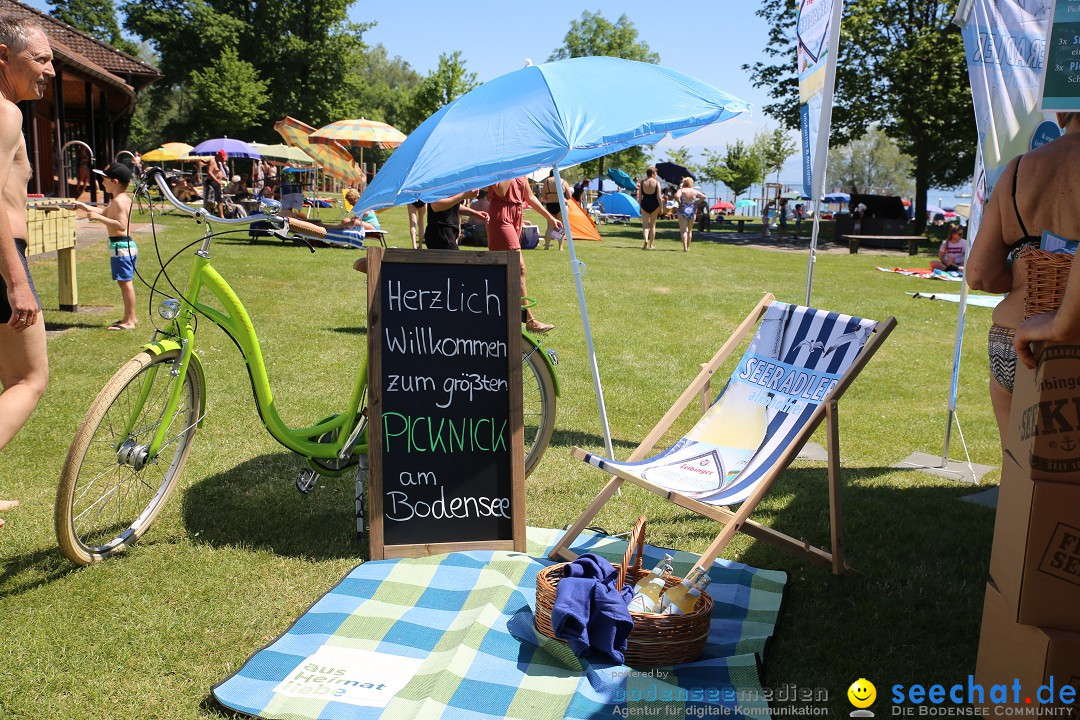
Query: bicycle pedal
{"x": 306, "y": 481}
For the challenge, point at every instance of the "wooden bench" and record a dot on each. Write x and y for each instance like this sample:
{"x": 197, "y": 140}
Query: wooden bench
{"x": 889, "y": 242}
{"x": 740, "y": 219}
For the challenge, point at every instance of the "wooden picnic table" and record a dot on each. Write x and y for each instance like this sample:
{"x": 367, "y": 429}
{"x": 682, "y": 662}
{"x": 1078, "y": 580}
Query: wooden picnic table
{"x": 740, "y": 219}
{"x": 892, "y": 242}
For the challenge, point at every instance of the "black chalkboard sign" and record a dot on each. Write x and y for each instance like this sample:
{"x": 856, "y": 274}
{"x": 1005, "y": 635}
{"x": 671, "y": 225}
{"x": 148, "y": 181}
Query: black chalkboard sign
{"x": 446, "y": 444}
{"x": 1060, "y": 90}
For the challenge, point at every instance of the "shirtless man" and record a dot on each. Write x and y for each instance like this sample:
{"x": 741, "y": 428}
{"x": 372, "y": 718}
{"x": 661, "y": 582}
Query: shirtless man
{"x": 216, "y": 176}
{"x": 25, "y": 71}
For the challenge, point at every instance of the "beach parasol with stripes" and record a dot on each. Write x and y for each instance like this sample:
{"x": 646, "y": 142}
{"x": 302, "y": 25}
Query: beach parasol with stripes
{"x": 332, "y": 158}
{"x": 360, "y": 133}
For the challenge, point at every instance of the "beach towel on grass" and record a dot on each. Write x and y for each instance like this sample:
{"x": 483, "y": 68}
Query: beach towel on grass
{"x": 926, "y": 273}
{"x": 451, "y": 636}
{"x": 987, "y": 301}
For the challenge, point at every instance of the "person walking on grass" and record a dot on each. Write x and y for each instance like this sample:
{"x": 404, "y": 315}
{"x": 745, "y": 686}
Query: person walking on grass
{"x": 687, "y": 197}
{"x": 652, "y": 204}
{"x": 25, "y": 71}
{"x": 122, "y": 250}
{"x": 549, "y": 194}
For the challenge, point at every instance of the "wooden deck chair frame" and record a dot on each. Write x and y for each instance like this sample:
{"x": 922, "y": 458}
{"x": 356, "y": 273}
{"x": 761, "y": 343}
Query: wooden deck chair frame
{"x": 736, "y": 520}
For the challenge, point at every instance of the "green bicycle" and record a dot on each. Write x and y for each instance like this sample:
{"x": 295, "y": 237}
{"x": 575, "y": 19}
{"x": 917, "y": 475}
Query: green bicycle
{"x": 132, "y": 444}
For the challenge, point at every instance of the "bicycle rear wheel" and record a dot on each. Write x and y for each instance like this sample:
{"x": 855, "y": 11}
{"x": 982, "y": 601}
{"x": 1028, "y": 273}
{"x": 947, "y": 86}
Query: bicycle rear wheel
{"x": 110, "y": 490}
{"x": 538, "y": 404}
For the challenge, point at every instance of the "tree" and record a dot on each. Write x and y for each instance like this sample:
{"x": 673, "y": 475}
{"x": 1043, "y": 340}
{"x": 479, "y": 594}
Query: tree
{"x": 307, "y": 52}
{"x": 712, "y": 170}
{"x": 894, "y": 55}
{"x": 388, "y": 85}
{"x": 774, "y": 148}
{"x": 739, "y": 168}
{"x": 681, "y": 156}
{"x": 442, "y": 85}
{"x": 594, "y": 35}
{"x": 870, "y": 164}
{"x": 96, "y": 18}
{"x": 229, "y": 94}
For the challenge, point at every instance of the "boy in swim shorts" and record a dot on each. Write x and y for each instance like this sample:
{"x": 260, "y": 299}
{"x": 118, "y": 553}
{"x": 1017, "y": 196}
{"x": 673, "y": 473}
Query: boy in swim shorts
{"x": 122, "y": 250}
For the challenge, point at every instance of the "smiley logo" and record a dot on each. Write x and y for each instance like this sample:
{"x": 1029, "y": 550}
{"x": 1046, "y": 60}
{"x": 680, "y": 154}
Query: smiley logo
{"x": 862, "y": 693}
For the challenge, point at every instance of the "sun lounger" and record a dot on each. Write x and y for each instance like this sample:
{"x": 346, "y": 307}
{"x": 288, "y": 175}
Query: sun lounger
{"x": 792, "y": 376}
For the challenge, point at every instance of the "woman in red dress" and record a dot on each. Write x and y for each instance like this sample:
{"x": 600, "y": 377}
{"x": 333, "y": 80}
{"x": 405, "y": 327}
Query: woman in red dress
{"x": 505, "y": 215}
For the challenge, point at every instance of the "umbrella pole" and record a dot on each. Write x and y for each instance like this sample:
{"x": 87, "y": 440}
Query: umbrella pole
{"x": 575, "y": 270}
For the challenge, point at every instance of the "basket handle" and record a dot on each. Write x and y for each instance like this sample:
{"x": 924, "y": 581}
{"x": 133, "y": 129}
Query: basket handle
{"x": 635, "y": 545}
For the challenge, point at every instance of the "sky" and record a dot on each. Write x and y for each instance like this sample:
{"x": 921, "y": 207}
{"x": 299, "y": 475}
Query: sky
{"x": 711, "y": 41}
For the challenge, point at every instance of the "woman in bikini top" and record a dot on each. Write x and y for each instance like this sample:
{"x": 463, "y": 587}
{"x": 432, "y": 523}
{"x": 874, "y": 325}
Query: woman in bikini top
{"x": 1036, "y": 192}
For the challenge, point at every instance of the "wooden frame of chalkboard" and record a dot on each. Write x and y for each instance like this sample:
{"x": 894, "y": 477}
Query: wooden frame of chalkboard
{"x": 446, "y": 468}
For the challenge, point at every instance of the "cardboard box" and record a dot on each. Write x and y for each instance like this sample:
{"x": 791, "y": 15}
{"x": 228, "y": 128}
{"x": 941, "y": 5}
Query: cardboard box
{"x": 1035, "y": 559}
{"x": 1043, "y": 661}
{"x": 1044, "y": 425}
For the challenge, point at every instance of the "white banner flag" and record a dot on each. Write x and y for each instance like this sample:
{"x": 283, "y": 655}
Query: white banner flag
{"x": 1005, "y": 44}
{"x": 817, "y": 27}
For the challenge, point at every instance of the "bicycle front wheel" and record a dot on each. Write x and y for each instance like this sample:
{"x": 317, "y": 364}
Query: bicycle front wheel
{"x": 110, "y": 489}
{"x": 538, "y": 404}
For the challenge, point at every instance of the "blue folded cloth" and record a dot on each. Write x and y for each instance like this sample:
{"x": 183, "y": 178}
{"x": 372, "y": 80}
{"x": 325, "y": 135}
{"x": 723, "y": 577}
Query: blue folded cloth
{"x": 589, "y": 613}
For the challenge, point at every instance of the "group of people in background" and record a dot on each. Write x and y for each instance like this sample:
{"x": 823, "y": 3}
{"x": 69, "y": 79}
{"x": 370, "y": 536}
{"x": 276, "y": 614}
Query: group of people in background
{"x": 689, "y": 205}
{"x": 500, "y": 208}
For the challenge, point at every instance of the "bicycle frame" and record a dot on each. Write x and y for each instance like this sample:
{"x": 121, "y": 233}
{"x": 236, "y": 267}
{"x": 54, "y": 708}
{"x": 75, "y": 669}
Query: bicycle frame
{"x": 237, "y": 324}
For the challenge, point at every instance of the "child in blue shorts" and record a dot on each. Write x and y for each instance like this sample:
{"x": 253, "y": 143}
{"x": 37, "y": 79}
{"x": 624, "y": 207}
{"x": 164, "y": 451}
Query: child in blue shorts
{"x": 122, "y": 250}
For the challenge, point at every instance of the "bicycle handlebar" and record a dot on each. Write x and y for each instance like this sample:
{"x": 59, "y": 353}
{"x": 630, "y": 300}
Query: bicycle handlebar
{"x": 282, "y": 225}
{"x": 157, "y": 175}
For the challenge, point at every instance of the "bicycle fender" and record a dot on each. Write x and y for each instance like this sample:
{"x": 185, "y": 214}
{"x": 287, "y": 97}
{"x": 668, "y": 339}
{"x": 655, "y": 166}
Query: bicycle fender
{"x": 160, "y": 347}
{"x": 528, "y": 341}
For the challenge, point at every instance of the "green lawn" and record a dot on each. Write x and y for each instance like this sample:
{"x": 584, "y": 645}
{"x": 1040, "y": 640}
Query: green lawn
{"x": 238, "y": 554}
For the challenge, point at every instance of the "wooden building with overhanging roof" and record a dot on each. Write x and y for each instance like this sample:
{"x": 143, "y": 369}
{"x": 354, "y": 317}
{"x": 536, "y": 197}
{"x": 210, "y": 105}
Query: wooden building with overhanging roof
{"x": 91, "y": 100}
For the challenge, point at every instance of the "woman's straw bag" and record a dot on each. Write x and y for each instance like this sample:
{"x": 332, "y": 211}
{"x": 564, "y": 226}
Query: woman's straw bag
{"x": 1047, "y": 275}
{"x": 656, "y": 639}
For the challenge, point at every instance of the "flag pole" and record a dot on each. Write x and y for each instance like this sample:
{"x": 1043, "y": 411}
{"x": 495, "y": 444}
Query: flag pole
{"x": 821, "y": 152}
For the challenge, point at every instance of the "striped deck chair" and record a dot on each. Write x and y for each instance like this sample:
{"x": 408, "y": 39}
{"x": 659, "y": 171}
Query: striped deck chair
{"x": 798, "y": 365}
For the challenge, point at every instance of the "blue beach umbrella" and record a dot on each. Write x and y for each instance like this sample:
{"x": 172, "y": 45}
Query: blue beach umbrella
{"x": 622, "y": 179}
{"x": 620, "y": 204}
{"x": 551, "y": 115}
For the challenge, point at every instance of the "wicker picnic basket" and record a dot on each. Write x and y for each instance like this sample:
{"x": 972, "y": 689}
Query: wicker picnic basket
{"x": 1047, "y": 275}
{"x": 656, "y": 639}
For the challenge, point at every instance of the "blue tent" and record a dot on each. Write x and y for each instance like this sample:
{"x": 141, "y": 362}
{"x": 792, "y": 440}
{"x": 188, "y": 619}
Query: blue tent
{"x": 620, "y": 204}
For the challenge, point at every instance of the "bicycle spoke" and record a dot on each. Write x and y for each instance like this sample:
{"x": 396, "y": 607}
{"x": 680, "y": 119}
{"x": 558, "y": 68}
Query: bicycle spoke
{"x": 111, "y": 503}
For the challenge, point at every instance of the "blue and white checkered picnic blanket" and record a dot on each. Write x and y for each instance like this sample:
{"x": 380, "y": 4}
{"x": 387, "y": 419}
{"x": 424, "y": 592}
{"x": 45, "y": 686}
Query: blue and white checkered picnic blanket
{"x": 451, "y": 636}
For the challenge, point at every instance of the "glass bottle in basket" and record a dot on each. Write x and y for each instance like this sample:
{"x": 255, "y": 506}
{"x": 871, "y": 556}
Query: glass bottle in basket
{"x": 647, "y": 599}
{"x": 681, "y": 599}
{"x": 655, "y": 572}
